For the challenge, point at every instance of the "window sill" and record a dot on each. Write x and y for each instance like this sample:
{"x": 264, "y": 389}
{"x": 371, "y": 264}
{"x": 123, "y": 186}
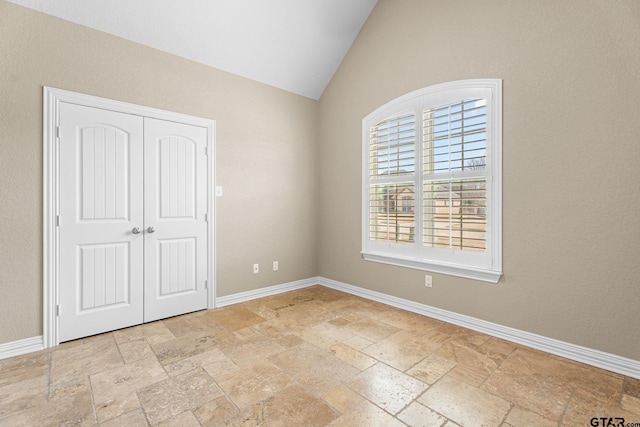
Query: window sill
{"x": 484, "y": 275}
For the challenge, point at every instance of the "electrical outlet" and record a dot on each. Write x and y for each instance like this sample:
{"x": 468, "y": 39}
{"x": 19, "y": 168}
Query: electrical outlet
{"x": 428, "y": 281}
{"x": 275, "y": 265}
{"x": 256, "y": 268}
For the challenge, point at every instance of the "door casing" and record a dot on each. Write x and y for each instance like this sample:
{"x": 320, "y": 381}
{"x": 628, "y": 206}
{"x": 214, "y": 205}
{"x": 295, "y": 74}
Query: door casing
{"x": 51, "y": 101}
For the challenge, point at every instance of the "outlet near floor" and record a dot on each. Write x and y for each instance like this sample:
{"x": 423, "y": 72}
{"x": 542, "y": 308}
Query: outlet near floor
{"x": 428, "y": 281}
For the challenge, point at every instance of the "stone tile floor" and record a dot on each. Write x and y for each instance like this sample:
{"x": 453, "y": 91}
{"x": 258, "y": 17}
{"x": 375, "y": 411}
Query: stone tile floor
{"x": 310, "y": 357}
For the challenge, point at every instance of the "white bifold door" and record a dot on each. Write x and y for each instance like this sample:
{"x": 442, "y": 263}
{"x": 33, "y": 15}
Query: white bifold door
{"x": 132, "y": 220}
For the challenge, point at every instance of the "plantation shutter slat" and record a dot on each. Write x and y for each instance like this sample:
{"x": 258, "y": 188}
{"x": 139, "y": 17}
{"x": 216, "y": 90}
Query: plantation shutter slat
{"x": 392, "y": 154}
{"x": 455, "y": 143}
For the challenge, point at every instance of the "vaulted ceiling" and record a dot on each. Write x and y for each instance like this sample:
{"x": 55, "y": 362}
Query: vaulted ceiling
{"x": 295, "y": 45}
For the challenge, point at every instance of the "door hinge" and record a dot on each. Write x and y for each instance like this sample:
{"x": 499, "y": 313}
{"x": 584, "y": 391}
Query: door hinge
{"x": 206, "y": 151}
{"x": 206, "y": 284}
{"x": 58, "y": 310}
{"x": 57, "y": 131}
{"x": 57, "y": 220}
{"x": 206, "y": 217}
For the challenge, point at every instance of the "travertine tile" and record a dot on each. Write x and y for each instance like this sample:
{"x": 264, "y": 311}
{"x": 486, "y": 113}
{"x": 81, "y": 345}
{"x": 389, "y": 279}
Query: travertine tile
{"x": 254, "y": 383}
{"x": 352, "y": 356}
{"x": 133, "y": 418}
{"x": 469, "y": 374}
{"x": 407, "y": 321}
{"x": 154, "y": 333}
{"x": 543, "y": 384}
{"x": 342, "y": 398}
{"x": 372, "y": 329}
{"x": 258, "y": 307}
{"x": 463, "y": 335}
{"x": 431, "y": 369}
{"x": 279, "y": 328}
{"x": 417, "y": 415}
{"x": 85, "y": 359}
{"x": 24, "y": 367}
{"x": 366, "y": 414}
{"x": 288, "y": 341}
{"x": 479, "y": 365}
{"x": 116, "y": 406}
{"x": 171, "y": 397}
{"x": 630, "y": 403}
{"x": 306, "y": 314}
{"x": 191, "y": 345}
{"x": 21, "y": 395}
{"x": 235, "y": 317}
{"x": 333, "y": 330}
{"x": 631, "y": 387}
{"x": 185, "y": 419}
{"x": 537, "y": 394}
{"x": 251, "y": 350}
{"x": 190, "y": 323}
{"x": 69, "y": 404}
{"x": 126, "y": 379}
{"x": 582, "y": 409}
{"x": 210, "y": 358}
{"x": 401, "y": 350}
{"x": 318, "y": 371}
{"x": 465, "y": 404}
{"x": 322, "y": 293}
{"x": 388, "y": 388}
{"x": 292, "y": 406}
{"x": 499, "y": 346}
{"x": 522, "y": 417}
{"x": 135, "y": 350}
{"x": 317, "y": 339}
{"x": 305, "y": 358}
{"x": 216, "y": 411}
{"x": 220, "y": 367}
{"x": 358, "y": 342}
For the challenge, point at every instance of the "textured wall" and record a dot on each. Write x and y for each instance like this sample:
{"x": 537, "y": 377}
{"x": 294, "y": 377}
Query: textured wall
{"x": 265, "y": 153}
{"x": 571, "y": 141}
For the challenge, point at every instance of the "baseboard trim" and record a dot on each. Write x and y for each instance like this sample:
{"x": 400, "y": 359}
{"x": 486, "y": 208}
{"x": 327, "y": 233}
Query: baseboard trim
{"x": 20, "y": 347}
{"x": 597, "y": 358}
{"x": 264, "y": 292}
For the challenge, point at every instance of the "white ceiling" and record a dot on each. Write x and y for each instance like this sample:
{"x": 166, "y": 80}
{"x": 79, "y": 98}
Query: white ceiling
{"x": 295, "y": 45}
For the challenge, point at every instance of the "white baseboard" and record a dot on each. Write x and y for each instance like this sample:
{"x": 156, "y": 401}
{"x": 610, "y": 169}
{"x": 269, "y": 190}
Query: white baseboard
{"x": 17, "y": 348}
{"x": 265, "y": 292}
{"x": 597, "y": 358}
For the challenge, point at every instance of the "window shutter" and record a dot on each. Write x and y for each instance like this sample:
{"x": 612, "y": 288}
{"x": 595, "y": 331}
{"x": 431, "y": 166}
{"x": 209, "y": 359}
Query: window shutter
{"x": 432, "y": 180}
{"x": 392, "y": 168}
{"x": 454, "y": 184}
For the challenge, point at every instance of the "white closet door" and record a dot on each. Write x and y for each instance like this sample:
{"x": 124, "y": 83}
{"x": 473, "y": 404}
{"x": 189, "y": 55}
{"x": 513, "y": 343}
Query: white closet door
{"x": 175, "y": 195}
{"x": 101, "y": 202}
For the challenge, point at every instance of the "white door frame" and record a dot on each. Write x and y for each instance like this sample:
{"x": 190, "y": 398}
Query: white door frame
{"x": 50, "y": 164}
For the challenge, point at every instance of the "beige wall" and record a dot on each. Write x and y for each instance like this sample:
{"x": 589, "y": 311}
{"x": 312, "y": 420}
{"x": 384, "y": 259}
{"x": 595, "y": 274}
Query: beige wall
{"x": 265, "y": 162}
{"x": 571, "y": 141}
{"x": 292, "y": 192}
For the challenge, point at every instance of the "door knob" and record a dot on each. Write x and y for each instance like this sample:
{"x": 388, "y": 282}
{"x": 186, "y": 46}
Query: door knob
{"x": 151, "y": 229}
{"x": 135, "y": 230}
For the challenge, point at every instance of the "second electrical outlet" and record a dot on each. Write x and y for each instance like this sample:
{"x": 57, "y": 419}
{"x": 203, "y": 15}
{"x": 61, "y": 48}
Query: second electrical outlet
{"x": 256, "y": 268}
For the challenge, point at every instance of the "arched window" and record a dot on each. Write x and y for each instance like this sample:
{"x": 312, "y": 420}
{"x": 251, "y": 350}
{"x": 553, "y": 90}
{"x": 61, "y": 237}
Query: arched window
{"x": 437, "y": 153}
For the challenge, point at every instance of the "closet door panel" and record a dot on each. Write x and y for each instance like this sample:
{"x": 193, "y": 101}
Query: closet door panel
{"x": 101, "y": 185}
{"x": 175, "y": 206}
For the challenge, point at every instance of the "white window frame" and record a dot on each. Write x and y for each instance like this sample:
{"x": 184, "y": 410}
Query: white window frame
{"x": 485, "y": 266}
